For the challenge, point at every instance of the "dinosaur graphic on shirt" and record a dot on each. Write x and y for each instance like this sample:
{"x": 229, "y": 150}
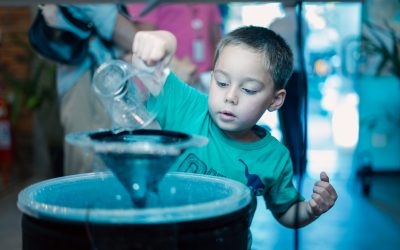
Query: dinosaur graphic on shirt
{"x": 253, "y": 181}
{"x": 192, "y": 164}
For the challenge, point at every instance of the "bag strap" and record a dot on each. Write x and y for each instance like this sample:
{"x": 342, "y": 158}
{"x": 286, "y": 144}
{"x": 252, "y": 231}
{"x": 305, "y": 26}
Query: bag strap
{"x": 85, "y": 26}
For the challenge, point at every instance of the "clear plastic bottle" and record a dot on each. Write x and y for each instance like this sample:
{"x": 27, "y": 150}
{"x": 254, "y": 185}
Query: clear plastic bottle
{"x": 124, "y": 90}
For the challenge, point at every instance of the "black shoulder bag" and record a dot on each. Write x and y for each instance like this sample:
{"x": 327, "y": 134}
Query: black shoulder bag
{"x": 57, "y": 44}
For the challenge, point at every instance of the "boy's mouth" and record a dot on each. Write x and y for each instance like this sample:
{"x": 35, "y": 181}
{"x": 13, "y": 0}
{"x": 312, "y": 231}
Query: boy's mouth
{"x": 226, "y": 115}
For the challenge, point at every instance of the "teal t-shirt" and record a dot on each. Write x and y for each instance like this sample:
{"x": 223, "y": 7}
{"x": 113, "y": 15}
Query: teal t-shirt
{"x": 264, "y": 166}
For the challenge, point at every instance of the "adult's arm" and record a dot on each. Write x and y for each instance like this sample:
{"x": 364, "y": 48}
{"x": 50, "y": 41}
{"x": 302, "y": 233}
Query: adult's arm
{"x": 124, "y": 32}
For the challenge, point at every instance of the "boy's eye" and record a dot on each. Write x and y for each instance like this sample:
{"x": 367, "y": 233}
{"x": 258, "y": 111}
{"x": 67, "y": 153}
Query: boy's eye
{"x": 222, "y": 84}
{"x": 249, "y": 91}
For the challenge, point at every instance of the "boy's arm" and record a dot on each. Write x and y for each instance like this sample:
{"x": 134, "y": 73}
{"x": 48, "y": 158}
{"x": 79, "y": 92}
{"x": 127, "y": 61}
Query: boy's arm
{"x": 322, "y": 199}
{"x": 288, "y": 219}
{"x": 183, "y": 68}
{"x": 155, "y": 49}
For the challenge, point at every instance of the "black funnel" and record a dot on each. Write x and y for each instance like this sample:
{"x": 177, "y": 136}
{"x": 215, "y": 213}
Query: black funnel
{"x": 138, "y": 158}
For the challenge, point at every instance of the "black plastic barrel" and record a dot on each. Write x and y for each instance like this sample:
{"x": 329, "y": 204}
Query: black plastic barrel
{"x": 94, "y": 211}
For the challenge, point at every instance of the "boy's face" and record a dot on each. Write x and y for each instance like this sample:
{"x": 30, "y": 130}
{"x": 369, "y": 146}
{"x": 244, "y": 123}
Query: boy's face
{"x": 241, "y": 90}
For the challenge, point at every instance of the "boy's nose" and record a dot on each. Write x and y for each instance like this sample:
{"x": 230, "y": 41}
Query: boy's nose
{"x": 231, "y": 97}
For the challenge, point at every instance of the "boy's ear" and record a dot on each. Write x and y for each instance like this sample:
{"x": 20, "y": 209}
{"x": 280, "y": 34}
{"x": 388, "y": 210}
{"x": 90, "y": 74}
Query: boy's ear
{"x": 277, "y": 102}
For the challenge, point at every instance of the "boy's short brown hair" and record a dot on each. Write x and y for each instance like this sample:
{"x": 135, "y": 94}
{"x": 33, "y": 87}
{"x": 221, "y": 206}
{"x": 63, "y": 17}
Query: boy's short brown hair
{"x": 278, "y": 55}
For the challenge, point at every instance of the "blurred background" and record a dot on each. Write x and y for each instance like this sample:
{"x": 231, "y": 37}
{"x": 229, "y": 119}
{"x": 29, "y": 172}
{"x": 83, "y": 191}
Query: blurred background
{"x": 352, "y": 63}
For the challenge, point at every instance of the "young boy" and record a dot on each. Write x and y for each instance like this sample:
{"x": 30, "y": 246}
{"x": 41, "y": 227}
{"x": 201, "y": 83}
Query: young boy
{"x": 251, "y": 68}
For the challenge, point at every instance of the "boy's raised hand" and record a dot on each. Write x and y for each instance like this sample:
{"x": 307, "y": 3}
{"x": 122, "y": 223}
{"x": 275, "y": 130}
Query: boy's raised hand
{"x": 323, "y": 198}
{"x": 154, "y": 47}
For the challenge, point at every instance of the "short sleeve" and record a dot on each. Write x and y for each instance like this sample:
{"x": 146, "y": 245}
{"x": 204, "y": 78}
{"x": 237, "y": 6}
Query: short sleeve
{"x": 282, "y": 194}
{"x": 178, "y": 103}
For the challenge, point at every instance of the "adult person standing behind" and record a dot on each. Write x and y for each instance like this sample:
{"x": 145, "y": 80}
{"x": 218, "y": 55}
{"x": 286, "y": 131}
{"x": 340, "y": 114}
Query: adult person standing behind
{"x": 291, "y": 114}
{"x": 80, "y": 110}
{"x": 197, "y": 27}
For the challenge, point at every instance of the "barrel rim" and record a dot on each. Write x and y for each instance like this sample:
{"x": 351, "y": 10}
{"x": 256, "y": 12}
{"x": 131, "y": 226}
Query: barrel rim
{"x": 240, "y": 198}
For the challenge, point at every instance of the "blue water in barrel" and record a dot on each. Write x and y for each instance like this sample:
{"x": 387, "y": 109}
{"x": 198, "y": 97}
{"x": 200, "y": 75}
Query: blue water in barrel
{"x": 94, "y": 211}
